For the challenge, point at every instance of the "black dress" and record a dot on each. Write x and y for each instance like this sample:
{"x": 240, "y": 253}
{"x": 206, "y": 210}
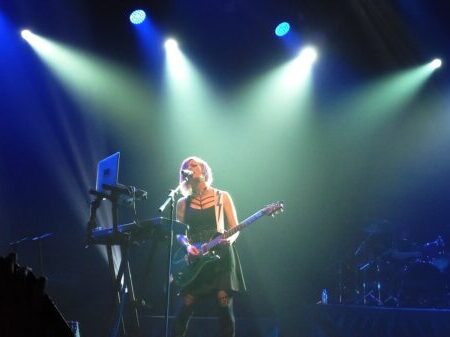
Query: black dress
{"x": 223, "y": 274}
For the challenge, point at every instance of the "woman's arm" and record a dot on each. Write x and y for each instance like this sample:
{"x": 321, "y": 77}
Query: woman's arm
{"x": 182, "y": 239}
{"x": 181, "y": 208}
{"x": 230, "y": 214}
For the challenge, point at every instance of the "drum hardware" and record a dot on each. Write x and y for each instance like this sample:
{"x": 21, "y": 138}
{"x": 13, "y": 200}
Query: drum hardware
{"x": 398, "y": 272}
{"x": 392, "y": 301}
{"x": 370, "y": 292}
{"x": 422, "y": 285}
{"x": 340, "y": 284}
{"x": 362, "y": 245}
{"x": 434, "y": 248}
{"x": 368, "y": 259}
{"x": 441, "y": 263}
{"x": 425, "y": 280}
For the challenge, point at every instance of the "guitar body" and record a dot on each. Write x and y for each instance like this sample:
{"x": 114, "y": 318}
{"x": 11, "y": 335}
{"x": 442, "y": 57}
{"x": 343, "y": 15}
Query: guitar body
{"x": 185, "y": 270}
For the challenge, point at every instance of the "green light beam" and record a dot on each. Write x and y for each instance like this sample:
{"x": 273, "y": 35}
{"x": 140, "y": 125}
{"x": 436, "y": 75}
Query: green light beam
{"x": 377, "y": 103}
{"x": 97, "y": 84}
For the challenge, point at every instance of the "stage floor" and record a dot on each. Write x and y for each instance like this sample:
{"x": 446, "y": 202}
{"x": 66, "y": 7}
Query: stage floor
{"x": 370, "y": 321}
{"x": 205, "y": 326}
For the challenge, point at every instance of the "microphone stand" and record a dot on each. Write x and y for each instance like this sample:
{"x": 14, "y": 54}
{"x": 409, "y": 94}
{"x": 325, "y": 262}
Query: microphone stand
{"x": 38, "y": 239}
{"x": 170, "y": 199}
{"x": 92, "y": 223}
{"x": 41, "y": 257}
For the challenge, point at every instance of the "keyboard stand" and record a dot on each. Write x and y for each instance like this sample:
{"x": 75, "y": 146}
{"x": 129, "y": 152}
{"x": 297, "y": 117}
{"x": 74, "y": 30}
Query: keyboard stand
{"x": 123, "y": 290}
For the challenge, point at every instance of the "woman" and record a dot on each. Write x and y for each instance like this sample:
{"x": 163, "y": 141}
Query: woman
{"x": 208, "y": 211}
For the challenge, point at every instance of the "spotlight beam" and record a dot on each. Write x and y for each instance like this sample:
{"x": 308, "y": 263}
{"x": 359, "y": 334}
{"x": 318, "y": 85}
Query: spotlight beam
{"x": 97, "y": 84}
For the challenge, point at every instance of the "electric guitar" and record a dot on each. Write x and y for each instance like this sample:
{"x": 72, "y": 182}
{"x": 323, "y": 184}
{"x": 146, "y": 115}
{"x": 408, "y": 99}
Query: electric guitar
{"x": 186, "y": 268}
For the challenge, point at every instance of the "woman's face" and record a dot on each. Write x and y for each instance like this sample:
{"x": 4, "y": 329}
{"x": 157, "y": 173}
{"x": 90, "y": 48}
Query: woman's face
{"x": 196, "y": 168}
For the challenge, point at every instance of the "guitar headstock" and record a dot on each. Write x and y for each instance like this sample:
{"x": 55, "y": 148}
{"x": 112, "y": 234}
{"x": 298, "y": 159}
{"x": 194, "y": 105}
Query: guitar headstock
{"x": 274, "y": 208}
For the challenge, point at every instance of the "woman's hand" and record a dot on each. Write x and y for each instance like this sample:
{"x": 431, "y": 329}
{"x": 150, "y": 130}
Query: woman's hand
{"x": 225, "y": 242}
{"x": 192, "y": 250}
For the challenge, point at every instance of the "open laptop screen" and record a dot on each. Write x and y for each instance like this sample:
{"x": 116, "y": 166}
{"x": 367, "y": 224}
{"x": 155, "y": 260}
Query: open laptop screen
{"x": 108, "y": 171}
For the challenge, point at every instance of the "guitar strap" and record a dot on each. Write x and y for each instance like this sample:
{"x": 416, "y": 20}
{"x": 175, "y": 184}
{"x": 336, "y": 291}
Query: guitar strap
{"x": 219, "y": 212}
{"x": 220, "y": 224}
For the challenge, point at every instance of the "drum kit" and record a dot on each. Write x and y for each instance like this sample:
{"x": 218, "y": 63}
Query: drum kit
{"x": 388, "y": 268}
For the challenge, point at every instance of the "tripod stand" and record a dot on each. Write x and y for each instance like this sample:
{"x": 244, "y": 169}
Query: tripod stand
{"x": 371, "y": 291}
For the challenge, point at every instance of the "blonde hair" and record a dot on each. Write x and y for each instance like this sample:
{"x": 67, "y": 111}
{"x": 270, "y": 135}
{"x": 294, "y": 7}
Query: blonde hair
{"x": 186, "y": 188}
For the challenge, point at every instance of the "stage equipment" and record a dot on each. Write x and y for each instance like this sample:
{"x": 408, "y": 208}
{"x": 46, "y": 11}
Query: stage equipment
{"x": 38, "y": 239}
{"x": 423, "y": 285}
{"x": 137, "y": 232}
{"x": 170, "y": 200}
{"x": 137, "y": 16}
{"x": 389, "y": 268}
{"x": 425, "y": 280}
{"x": 434, "y": 249}
{"x": 282, "y": 29}
{"x": 369, "y": 260}
{"x": 108, "y": 188}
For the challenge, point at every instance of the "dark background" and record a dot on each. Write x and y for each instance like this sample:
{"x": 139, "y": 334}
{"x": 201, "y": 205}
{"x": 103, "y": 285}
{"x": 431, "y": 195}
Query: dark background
{"x": 336, "y": 179}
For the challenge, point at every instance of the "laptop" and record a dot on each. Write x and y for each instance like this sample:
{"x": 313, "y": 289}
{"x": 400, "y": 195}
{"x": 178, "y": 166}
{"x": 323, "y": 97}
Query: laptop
{"x": 108, "y": 172}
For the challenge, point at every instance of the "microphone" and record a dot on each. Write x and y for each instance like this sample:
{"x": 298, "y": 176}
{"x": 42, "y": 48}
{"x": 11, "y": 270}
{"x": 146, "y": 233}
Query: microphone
{"x": 187, "y": 173}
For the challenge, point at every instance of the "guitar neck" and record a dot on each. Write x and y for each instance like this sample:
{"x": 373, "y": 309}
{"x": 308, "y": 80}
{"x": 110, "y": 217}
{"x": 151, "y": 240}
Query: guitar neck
{"x": 252, "y": 218}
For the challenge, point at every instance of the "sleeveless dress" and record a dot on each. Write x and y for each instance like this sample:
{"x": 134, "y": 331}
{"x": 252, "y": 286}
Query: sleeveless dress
{"x": 223, "y": 274}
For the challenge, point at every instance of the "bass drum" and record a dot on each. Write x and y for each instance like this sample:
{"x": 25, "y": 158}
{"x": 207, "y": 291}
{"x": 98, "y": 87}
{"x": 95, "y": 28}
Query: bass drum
{"x": 423, "y": 284}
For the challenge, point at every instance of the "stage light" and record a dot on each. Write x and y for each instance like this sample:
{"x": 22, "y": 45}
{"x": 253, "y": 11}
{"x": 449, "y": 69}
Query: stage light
{"x": 436, "y": 63}
{"x": 137, "y": 16}
{"x": 282, "y": 29}
{"x": 26, "y": 34}
{"x": 308, "y": 55}
{"x": 171, "y": 44}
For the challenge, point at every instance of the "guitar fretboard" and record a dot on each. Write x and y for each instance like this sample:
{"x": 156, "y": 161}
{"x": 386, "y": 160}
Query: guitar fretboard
{"x": 252, "y": 218}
